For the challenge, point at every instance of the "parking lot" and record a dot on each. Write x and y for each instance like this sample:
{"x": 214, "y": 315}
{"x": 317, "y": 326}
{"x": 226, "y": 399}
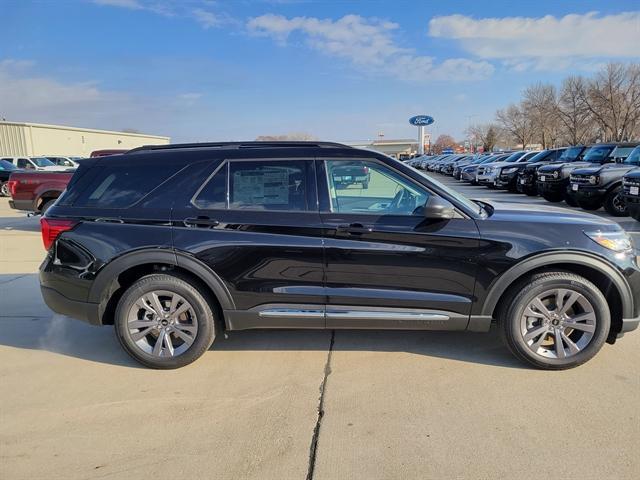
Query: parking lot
{"x": 427, "y": 405}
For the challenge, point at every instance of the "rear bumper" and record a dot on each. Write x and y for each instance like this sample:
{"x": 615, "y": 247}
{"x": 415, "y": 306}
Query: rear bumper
{"x": 26, "y": 205}
{"x": 87, "y": 312}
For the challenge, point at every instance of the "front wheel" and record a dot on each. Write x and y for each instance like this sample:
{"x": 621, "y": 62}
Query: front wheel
{"x": 4, "y": 189}
{"x": 614, "y": 203}
{"x": 531, "y": 191}
{"x": 553, "y": 197}
{"x": 569, "y": 200}
{"x": 590, "y": 205}
{"x": 164, "y": 322}
{"x": 555, "y": 320}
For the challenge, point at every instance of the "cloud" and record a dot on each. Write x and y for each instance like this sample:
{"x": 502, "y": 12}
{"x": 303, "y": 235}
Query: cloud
{"x": 367, "y": 44}
{"x": 544, "y": 43}
{"x": 206, "y": 18}
{"x": 130, "y": 4}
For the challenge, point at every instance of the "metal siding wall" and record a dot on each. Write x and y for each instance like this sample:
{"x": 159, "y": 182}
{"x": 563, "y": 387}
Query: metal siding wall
{"x": 13, "y": 140}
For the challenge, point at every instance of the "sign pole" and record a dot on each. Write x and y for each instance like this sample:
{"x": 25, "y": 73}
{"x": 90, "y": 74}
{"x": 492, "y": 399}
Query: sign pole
{"x": 421, "y": 140}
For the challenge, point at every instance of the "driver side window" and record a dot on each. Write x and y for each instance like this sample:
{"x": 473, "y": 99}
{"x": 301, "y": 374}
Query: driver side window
{"x": 361, "y": 186}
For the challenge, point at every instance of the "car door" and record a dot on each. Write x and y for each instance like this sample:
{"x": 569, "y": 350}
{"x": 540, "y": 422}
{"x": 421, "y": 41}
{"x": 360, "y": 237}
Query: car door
{"x": 387, "y": 264}
{"x": 256, "y": 224}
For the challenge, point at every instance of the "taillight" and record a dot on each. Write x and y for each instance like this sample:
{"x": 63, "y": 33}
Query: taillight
{"x": 51, "y": 228}
{"x": 12, "y": 187}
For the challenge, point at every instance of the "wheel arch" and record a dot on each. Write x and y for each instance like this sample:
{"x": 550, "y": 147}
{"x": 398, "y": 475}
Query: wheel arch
{"x": 606, "y": 277}
{"x": 108, "y": 284}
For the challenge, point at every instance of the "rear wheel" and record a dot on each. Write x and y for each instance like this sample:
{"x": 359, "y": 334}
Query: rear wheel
{"x": 46, "y": 205}
{"x": 614, "y": 203}
{"x": 555, "y": 320}
{"x": 164, "y": 321}
{"x": 590, "y": 205}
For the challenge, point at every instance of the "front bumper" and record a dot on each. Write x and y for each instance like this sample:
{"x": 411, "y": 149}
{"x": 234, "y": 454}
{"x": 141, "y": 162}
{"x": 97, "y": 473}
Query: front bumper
{"x": 588, "y": 192}
{"x": 486, "y": 179}
{"x": 506, "y": 179}
{"x": 557, "y": 187}
{"x": 468, "y": 176}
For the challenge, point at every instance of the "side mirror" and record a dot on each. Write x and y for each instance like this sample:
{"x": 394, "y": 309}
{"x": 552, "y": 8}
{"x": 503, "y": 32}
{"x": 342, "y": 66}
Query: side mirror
{"x": 439, "y": 208}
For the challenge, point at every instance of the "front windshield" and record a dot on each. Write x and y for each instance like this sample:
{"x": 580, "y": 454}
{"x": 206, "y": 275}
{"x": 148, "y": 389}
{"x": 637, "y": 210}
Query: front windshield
{"x": 42, "y": 162}
{"x": 634, "y": 157}
{"x": 4, "y": 165}
{"x": 514, "y": 156}
{"x": 539, "y": 156}
{"x": 571, "y": 154}
{"x": 598, "y": 154}
{"x": 622, "y": 152}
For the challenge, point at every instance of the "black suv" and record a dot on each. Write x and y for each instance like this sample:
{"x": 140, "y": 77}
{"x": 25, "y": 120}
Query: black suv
{"x": 527, "y": 177}
{"x": 631, "y": 191}
{"x": 553, "y": 179}
{"x": 175, "y": 244}
{"x": 601, "y": 184}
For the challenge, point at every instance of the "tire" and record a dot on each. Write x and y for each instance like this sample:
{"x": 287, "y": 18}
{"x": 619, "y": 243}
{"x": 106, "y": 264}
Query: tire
{"x": 4, "y": 189}
{"x": 46, "y": 206}
{"x": 513, "y": 324}
{"x": 590, "y": 205}
{"x": 635, "y": 213}
{"x": 614, "y": 203}
{"x": 569, "y": 200}
{"x": 553, "y": 198}
{"x": 531, "y": 192}
{"x": 198, "y": 315}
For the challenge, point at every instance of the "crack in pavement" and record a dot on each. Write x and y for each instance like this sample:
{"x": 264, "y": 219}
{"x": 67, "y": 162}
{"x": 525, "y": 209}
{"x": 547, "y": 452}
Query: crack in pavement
{"x": 313, "y": 449}
{"x": 15, "y": 278}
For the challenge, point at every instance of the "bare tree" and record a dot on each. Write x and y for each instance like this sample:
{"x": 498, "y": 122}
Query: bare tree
{"x": 539, "y": 103}
{"x": 576, "y": 119}
{"x": 613, "y": 99}
{"x": 516, "y": 123}
{"x": 486, "y": 134}
{"x": 293, "y": 136}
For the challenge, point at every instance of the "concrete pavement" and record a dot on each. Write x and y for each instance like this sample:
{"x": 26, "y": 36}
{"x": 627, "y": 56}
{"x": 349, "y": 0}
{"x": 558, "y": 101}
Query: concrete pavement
{"x": 424, "y": 405}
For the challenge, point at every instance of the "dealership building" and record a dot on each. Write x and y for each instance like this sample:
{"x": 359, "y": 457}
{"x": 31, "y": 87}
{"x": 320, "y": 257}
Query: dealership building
{"x": 33, "y": 139}
{"x": 400, "y": 148}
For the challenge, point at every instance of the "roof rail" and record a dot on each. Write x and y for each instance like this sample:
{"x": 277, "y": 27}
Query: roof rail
{"x": 239, "y": 145}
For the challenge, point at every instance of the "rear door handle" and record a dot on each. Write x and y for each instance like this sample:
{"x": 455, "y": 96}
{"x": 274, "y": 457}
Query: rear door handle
{"x": 201, "y": 222}
{"x": 354, "y": 229}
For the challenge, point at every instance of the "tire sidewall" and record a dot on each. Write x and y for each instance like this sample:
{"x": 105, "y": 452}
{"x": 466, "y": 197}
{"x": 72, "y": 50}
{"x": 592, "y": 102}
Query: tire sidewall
{"x": 610, "y": 208}
{"x": 206, "y": 322}
{"x": 594, "y": 297}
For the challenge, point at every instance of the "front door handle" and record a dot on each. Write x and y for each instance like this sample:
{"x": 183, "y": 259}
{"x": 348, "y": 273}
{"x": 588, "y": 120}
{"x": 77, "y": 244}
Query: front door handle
{"x": 354, "y": 229}
{"x": 201, "y": 222}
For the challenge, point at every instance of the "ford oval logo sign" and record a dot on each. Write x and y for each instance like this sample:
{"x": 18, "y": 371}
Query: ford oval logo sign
{"x": 421, "y": 120}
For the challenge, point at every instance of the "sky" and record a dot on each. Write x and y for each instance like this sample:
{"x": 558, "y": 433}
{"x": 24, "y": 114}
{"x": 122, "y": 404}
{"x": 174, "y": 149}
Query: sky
{"x": 339, "y": 70}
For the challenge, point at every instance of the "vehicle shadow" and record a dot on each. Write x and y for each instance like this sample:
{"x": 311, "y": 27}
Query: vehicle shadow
{"x": 21, "y": 224}
{"x": 65, "y": 336}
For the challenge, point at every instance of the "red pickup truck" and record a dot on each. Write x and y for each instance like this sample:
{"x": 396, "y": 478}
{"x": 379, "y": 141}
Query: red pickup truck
{"x": 36, "y": 191}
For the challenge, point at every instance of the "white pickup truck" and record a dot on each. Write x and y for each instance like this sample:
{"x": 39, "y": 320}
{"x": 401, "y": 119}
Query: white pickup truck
{"x": 35, "y": 163}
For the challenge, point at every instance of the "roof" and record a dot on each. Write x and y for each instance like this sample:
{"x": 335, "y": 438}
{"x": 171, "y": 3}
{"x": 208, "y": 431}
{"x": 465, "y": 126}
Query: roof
{"x": 238, "y": 146}
{"x": 79, "y": 129}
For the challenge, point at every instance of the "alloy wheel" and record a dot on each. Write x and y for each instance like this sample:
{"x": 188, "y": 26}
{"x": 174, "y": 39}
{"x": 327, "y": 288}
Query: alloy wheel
{"x": 162, "y": 323}
{"x": 4, "y": 189}
{"x": 558, "y": 323}
{"x": 619, "y": 204}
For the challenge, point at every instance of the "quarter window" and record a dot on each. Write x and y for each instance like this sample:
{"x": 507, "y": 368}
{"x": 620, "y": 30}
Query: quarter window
{"x": 365, "y": 187}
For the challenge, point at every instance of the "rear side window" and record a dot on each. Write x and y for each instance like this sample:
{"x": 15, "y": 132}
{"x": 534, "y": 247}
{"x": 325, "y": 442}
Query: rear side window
{"x": 260, "y": 185}
{"x": 123, "y": 186}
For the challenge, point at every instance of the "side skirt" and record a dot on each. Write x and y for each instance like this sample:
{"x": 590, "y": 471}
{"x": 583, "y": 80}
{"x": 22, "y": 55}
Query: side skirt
{"x": 351, "y": 317}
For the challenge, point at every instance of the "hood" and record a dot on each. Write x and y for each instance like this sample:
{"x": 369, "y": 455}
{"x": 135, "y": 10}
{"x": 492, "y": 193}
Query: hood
{"x": 595, "y": 169}
{"x": 527, "y": 213}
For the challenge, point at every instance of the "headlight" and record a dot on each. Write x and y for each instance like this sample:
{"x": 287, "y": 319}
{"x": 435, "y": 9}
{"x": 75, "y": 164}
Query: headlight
{"x": 615, "y": 241}
{"x": 556, "y": 174}
{"x": 594, "y": 180}
{"x": 510, "y": 170}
